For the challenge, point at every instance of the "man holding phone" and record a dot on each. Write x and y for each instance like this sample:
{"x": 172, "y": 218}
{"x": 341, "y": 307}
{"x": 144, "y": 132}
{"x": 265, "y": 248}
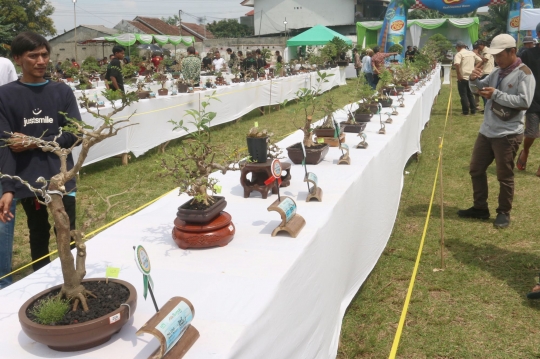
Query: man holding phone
{"x": 509, "y": 91}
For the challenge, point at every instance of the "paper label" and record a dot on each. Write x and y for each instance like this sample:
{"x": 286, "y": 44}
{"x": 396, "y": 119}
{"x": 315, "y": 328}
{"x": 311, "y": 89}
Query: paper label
{"x": 112, "y": 272}
{"x": 345, "y": 146}
{"x": 113, "y": 319}
{"x": 312, "y": 177}
{"x": 256, "y": 124}
{"x": 320, "y": 140}
{"x": 276, "y": 169}
{"x": 175, "y": 324}
{"x": 289, "y": 208}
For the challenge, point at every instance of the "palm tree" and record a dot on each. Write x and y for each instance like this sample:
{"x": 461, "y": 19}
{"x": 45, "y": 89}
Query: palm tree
{"x": 494, "y": 23}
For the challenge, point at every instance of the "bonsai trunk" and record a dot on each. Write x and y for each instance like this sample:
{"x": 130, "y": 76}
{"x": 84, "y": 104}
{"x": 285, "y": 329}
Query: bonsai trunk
{"x": 308, "y": 141}
{"x": 73, "y": 272}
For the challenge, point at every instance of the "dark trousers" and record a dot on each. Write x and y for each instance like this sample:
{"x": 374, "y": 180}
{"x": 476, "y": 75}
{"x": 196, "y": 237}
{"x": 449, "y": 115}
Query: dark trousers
{"x": 503, "y": 150}
{"x": 467, "y": 98}
{"x": 375, "y": 79}
{"x": 369, "y": 79}
{"x": 40, "y": 229}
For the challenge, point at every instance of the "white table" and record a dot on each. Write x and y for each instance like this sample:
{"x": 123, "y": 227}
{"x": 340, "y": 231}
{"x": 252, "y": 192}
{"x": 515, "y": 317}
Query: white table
{"x": 153, "y": 115}
{"x": 258, "y": 297}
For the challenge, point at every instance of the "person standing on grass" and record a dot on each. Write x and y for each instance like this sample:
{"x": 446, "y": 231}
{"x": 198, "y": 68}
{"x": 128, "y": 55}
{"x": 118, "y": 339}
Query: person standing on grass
{"x": 377, "y": 62}
{"x": 531, "y": 58}
{"x": 465, "y": 62}
{"x": 509, "y": 91}
{"x": 488, "y": 63}
{"x": 367, "y": 70}
{"x": 114, "y": 70}
{"x": 7, "y": 74}
{"x": 32, "y": 106}
{"x": 357, "y": 62}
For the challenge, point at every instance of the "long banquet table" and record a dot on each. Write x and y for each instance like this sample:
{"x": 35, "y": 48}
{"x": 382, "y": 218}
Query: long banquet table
{"x": 260, "y": 296}
{"x": 152, "y": 116}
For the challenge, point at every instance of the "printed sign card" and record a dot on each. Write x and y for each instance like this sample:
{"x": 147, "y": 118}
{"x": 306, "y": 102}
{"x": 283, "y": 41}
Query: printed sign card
{"x": 291, "y": 222}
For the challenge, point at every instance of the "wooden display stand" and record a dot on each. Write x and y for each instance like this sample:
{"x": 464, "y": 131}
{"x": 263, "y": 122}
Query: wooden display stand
{"x": 259, "y": 174}
{"x": 332, "y": 141}
{"x": 314, "y": 191}
{"x": 389, "y": 119}
{"x": 344, "y": 159}
{"x": 382, "y": 131}
{"x": 363, "y": 144}
{"x": 291, "y": 222}
{"x": 187, "y": 339}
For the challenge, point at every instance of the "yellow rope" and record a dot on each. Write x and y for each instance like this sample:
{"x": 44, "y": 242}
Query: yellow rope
{"x": 399, "y": 331}
{"x": 93, "y": 232}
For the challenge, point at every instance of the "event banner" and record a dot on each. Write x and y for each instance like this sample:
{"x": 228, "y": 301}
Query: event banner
{"x": 454, "y": 7}
{"x": 512, "y": 26}
{"x": 394, "y": 26}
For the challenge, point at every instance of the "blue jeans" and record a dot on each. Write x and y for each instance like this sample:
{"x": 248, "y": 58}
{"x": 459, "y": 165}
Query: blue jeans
{"x": 6, "y": 247}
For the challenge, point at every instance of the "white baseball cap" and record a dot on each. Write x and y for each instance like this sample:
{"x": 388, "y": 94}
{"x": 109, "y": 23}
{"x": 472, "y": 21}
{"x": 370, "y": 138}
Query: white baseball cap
{"x": 499, "y": 43}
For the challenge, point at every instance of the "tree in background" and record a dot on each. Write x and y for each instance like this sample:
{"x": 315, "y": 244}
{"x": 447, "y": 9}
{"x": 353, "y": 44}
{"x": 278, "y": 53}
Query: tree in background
{"x": 28, "y": 15}
{"x": 6, "y": 35}
{"x": 229, "y": 28}
{"x": 171, "y": 20}
{"x": 494, "y": 23}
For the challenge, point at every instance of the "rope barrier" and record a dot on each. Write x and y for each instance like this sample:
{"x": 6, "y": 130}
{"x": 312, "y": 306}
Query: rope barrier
{"x": 403, "y": 316}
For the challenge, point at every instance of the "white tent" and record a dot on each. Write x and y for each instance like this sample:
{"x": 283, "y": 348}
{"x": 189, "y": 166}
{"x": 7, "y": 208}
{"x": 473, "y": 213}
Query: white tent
{"x": 529, "y": 19}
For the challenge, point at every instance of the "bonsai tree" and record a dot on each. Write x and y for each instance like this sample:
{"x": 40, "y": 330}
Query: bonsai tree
{"x": 385, "y": 79}
{"x": 328, "y": 107}
{"x": 436, "y": 48}
{"x": 363, "y": 93}
{"x": 396, "y": 48}
{"x": 53, "y": 189}
{"x": 329, "y": 52}
{"x": 262, "y": 72}
{"x": 341, "y": 46}
{"x": 193, "y": 164}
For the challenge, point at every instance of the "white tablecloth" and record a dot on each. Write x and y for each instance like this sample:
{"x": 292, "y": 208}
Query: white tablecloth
{"x": 153, "y": 115}
{"x": 260, "y": 296}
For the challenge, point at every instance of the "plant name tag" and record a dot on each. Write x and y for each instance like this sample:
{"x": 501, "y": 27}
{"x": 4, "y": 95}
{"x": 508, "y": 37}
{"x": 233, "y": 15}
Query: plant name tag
{"x": 288, "y": 207}
{"x": 345, "y": 147}
{"x": 312, "y": 177}
{"x": 175, "y": 324}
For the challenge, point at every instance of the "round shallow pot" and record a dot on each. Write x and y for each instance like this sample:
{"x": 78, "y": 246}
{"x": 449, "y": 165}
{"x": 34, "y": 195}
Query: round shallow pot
{"x": 313, "y": 155}
{"x": 81, "y": 336}
{"x": 201, "y": 216}
{"x": 258, "y": 148}
{"x": 217, "y": 233}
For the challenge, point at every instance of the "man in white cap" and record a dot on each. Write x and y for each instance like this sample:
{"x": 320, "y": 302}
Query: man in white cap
{"x": 531, "y": 58}
{"x": 464, "y": 62}
{"x": 509, "y": 91}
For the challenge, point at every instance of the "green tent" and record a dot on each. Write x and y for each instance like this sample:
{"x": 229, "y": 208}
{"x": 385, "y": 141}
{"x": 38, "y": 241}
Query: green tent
{"x": 317, "y": 35}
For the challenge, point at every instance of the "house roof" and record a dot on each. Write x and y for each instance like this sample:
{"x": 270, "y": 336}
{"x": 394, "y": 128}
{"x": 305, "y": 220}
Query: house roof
{"x": 101, "y": 28}
{"x": 153, "y": 25}
{"x": 251, "y": 13}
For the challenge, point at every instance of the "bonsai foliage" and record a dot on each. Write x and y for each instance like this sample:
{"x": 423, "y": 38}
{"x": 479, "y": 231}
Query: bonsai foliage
{"x": 328, "y": 107}
{"x": 193, "y": 164}
{"x": 309, "y": 101}
{"x": 340, "y": 45}
{"x": 364, "y": 93}
{"x": 396, "y": 48}
{"x": 385, "y": 79}
{"x": 50, "y": 310}
{"x": 436, "y": 48}
{"x": 53, "y": 189}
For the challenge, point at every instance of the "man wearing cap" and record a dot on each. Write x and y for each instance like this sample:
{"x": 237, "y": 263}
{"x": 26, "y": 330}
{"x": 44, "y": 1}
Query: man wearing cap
{"x": 509, "y": 91}
{"x": 465, "y": 61}
{"x": 528, "y": 43}
{"x": 487, "y": 63}
{"x": 531, "y": 58}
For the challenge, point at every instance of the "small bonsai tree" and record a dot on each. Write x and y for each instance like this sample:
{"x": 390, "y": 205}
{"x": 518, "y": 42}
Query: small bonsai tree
{"x": 341, "y": 46}
{"x": 193, "y": 164}
{"x": 385, "y": 79}
{"x": 396, "y": 48}
{"x": 53, "y": 189}
{"x": 436, "y": 48}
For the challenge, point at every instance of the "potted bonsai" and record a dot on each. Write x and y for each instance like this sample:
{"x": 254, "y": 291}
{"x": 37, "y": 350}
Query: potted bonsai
{"x": 261, "y": 73}
{"x": 201, "y": 221}
{"x": 257, "y": 144}
{"x": 308, "y": 100}
{"x": 385, "y": 79}
{"x": 364, "y": 93}
{"x": 395, "y": 48}
{"x": 163, "y": 91}
{"x": 341, "y": 49}
{"x": 80, "y": 323}
{"x": 142, "y": 93}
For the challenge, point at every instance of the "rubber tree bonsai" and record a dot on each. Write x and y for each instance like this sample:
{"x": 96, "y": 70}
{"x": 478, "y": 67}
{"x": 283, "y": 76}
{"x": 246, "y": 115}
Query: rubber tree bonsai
{"x": 53, "y": 189}
{"x": 196, "y": 160}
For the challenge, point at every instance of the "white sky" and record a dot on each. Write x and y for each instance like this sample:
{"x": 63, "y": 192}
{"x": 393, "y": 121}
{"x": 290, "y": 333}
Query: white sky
{"x": 109, "y": 12}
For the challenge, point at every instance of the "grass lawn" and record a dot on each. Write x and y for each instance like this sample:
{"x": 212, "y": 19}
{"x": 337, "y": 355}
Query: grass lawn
{"x": 476, "y": 307}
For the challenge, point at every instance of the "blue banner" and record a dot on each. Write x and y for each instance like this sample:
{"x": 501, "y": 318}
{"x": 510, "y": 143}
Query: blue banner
{"x": 512, "y": 25}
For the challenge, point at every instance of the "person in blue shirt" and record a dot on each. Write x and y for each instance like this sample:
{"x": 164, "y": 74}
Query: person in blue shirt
{"x": 367, "y": 69}
{"x": 33, "y": 106}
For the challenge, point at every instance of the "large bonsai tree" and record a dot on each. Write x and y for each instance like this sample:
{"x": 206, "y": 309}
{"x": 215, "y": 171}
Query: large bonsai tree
{"x": 73, "y": 271}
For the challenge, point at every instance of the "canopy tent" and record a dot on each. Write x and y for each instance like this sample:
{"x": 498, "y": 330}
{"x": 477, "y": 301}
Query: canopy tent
{"x": 459, "y": 29}
{"x": 130, "y": 39}
{"x": 529, "y": 19}
{"x": 317, "y": 35}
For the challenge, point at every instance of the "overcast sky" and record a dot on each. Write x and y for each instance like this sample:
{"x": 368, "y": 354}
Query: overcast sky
{"x": 110, "y": 12}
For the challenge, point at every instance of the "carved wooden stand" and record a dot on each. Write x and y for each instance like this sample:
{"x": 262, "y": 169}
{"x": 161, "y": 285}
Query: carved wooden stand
{"x": 216, "y": 233}
{"x": 363, "y": 144}
{"x": 314, "y": 192}
{"x": 344, "y": 159}
{"x": 260, "y": 172}
{"x": 291, "y": 222}
{"x": 332, "y": 141}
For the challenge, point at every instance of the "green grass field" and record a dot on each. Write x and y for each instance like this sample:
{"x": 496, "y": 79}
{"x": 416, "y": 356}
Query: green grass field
{"x": 475, "y": 308}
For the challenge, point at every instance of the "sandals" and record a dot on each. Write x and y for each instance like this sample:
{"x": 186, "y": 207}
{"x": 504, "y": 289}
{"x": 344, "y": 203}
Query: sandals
{"x": 522, "y": 166}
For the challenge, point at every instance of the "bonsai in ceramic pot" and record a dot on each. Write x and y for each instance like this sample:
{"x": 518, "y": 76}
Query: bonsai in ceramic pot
{"x": 257, "y": 144}
{"x": 73, "y": 334}
{"x": 201, "y": 221}
{"x": 163, "y": 91}
{"x": 142, "y": 93}
{"x": 364, "y": 93}
{"x": 309, "y": 101}
{"x": 385, "y": 79}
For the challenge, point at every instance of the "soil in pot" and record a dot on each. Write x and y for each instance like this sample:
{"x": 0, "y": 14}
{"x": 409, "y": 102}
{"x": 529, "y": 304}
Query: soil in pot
{"x": 258, "y": 148}
{"x": 314, "y": 154}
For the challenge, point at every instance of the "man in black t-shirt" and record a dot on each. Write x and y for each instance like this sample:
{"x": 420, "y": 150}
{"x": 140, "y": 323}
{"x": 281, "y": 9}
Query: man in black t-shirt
{"x": 531, "y": 58}
{"x": 409, "y": 54}
{"x": 32, "y": 106}
{"x": 261, "y": 62}
{"x": 207, "y": 61}
{"x": 114, "y": 70}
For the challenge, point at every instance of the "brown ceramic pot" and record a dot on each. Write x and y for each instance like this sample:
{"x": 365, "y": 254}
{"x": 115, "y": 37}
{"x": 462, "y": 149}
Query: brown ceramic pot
{"x": 81, "y": 336}
{"x": 217, "y": 233}
{"x": 143, "y": 95}
{"x": 352, "y": 127}
{"x": 363, "y": 117}
{"x": 163, "y": 92}
{"x": 324, "y": 132}
{"x": 313, "y": 155}
{"x": 386, "y": 102}
{"x": 201, "y": 216}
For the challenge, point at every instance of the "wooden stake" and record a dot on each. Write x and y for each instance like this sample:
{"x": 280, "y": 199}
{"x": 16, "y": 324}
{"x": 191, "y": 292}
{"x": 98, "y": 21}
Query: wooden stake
{"x": 442, "y": 203}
